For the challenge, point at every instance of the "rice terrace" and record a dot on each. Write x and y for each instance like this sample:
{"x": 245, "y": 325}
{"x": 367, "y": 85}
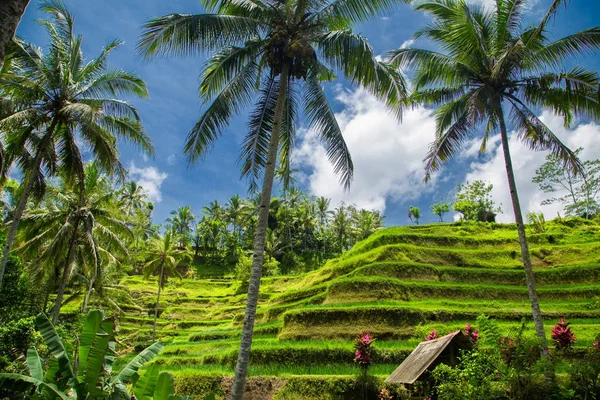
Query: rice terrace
{"x": 299, "y": 199}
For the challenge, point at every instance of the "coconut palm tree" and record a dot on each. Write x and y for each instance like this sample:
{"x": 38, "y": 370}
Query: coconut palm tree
{"x": 60, "y": 101}
{"x": 133, "y": 197}
{"x": 181, "y": 222}
{"x": 323, "y": 212}
{"x": 234, "y": 211}
{"x": 283, "y": 50}
{"x": 11, "y": 12}
{"x": 74, "y": 230}
{"x": 162, "y": 256}
{"x": 492, "y": 71}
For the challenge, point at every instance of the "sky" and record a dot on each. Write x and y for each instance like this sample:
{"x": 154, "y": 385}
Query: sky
{"x": 387, "y": 155}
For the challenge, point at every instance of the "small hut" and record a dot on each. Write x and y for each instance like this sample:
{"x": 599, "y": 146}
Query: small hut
{"x": 428, "y": 355}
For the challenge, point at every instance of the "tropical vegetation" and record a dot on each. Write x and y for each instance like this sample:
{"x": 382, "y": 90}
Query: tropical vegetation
{"x": 279, "y": 293}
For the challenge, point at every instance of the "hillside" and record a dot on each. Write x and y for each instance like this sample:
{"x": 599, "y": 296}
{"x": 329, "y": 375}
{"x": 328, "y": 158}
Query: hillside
{"x": 398, "y": 284}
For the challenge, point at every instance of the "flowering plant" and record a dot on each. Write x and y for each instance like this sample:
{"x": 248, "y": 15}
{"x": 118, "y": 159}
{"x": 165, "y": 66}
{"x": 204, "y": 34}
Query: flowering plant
{"x": 432, "y": 335}
{"x": 562, "y": 336}
{"x": 384, "y": 394}
{"x": 471, "y": 333}
{"x": 363, "y": 350}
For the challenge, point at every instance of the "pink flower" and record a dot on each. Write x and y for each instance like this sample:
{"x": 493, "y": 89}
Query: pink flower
{"x": 562, "y": 336}
{"x": 432, "y": 335}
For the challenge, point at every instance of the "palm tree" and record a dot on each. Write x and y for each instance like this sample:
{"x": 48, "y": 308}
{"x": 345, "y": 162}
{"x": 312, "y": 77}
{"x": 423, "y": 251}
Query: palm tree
{"x": 341, "y": 225}
{"x": 490, "y": 66}
{"x": 366, "y": 223}
{"x": 133, "y": 197}
{"x": 74, "y": 230}
{"x": 61, "y": 100}
{"x": 213, "y": 210}
{"x": 234, "y": 211}
{"x": 162, "y": 255}
{"x": 181, "y": 223}
{"x": 11, "y": 12}
{"x": 287, "y": 48}
{"x": 323, "y": 212}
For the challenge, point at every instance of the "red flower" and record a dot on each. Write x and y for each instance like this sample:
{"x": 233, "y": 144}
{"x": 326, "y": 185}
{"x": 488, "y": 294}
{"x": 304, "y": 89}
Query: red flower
{"x": 432, "y": 335}
{"x": 562, "y": 336}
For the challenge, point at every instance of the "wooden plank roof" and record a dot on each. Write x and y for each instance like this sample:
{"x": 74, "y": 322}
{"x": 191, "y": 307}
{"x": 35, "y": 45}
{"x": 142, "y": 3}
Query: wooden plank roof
{"x": 425, "y": 355}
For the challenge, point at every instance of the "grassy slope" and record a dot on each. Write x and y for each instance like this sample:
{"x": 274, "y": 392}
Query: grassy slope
{"x": 400, "y": 283}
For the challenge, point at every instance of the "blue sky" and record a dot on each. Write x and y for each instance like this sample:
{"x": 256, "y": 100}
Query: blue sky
{"x": 387, "y": 155}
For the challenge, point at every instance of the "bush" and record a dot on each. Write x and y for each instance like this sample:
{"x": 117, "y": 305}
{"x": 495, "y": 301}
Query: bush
{"x": 562, "y": 336}
{"x": 472, "y": 379}
{"x": 585, "y": 373}
{"x": 16, "y": 337}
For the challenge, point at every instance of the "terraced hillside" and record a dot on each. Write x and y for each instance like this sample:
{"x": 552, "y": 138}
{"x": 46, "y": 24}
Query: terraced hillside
{"x": 399, "y": 284}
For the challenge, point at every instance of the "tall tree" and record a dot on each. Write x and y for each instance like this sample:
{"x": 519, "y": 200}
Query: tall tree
{"x": 75, "y": 230}
{"x": 181, "y": 222}
{"x": 287, "y": 47}
{"x": 11, "y": 12}
{"x": 580, "y": 191}
{"x": 491, "y": 68}
{"x": 133, "y": 197}
{"x": 61, "y": 101}
{"x": 162, "y": 257}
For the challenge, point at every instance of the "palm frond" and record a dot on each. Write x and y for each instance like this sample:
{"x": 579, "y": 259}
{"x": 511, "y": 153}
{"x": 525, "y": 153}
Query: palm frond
{"x": 184, "y": 34}
{"x": 255, "y": 145}
{"x": 224, "y": 65}
{"x": 236, "y": 95}
{"x": 322, "y": 119}
{"x": 538, "y": 136}
{"x": 360, "y": 10}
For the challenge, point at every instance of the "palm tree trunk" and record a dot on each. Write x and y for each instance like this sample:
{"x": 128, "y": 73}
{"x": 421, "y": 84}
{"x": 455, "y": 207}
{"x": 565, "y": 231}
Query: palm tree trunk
{"x": 65, "y": 275}
{"x": 29, "y": 180}
{"x": 11, "y": 12}
{"x": 160, "y": 283}
{"x": 241, "y": 368}
{"x": 533, "y": 297}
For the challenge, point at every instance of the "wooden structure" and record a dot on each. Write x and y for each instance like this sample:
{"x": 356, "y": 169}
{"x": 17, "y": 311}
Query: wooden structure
{"x": 428, "y": 355}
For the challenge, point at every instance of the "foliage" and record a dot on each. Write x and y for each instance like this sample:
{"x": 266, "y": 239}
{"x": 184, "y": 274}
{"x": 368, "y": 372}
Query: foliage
{"x": 472, "y": 334}
{"x": 472, "y": 379}
{"x": 474, "y": 201}
{"x": 89, "y": 375}
{"x": 537, "y": 221}
{"x": 562, "y": 336}
{"x": 414, "y": 213}
{"x": 580, "y": 191}
{"x": 363, "y": 349}
{"x": 432, "y": 335}
{"x": 585, "y": 373}
{"x": 440, "y": 209}
{"x": 16, "y": 337}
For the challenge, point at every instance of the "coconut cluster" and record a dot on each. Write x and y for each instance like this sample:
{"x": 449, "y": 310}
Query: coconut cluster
{"x": 284, "y": 47}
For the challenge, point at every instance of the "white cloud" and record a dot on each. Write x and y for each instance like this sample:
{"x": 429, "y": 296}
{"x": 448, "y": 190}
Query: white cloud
{"x": 171, "y": 159}
{"x": 525, "y": 162}
{"x": 407, "y": 43}
{"x": 387, "y": 155}
{"x": 150, "y": 179}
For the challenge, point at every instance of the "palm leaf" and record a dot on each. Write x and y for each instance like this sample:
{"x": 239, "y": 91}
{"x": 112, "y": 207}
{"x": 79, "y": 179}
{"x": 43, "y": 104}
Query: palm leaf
{"x": 322, "y": 120}
{"x": 236, "y": 95}
{"x": 184, "y": 34}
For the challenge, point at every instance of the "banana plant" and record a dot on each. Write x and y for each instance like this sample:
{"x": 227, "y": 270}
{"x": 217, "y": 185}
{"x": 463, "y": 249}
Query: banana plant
{"x": 90, "y": 375}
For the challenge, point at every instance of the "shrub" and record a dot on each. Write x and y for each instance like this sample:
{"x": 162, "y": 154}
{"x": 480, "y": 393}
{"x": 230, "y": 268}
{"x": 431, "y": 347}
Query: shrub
{"x": 363, "y": 351}
{"x": 432, "y": 335}
{"x": 562, "y": 336}
{"x": 585, "y": 374}
{"x": 471, "y": 333}
{"x": 471, "y": 379}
